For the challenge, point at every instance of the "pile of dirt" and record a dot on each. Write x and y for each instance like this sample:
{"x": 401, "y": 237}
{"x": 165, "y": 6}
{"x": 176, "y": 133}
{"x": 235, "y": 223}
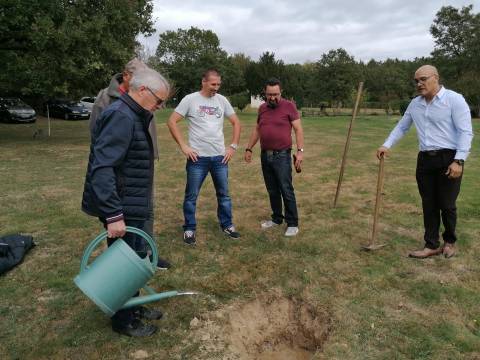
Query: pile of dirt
{"x": 269, "y": 327}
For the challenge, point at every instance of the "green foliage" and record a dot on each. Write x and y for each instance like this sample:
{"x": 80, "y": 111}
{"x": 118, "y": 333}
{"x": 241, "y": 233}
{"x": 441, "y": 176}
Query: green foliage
{"x": 337, "y": 74}
{"x": 240, "y": 100}
{"x": 292, "y": 77}
{"x": 185, "y": 54}
{"x": 257, "y": 73}
{"x": 67, "y": 48}
{"x": 457, "y": 45}
{"x": 389, "y": 80}
{"x": 73, "y": 47}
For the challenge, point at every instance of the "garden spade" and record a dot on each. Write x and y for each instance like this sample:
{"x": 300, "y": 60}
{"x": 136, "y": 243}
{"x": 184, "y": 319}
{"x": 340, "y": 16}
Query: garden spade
{"x": 378, "y": 199}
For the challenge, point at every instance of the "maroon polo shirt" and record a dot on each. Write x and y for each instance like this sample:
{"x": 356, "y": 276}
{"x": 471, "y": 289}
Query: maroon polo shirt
{"x": 275, "y": 125}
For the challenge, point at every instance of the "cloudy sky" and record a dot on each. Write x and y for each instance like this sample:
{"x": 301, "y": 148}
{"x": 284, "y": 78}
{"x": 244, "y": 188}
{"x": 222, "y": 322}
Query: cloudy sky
{"x": 302, "y": 30}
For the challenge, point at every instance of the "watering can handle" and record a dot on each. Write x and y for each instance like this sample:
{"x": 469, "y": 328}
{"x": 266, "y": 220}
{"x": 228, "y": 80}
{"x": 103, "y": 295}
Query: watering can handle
{"x": 102, "y": 236}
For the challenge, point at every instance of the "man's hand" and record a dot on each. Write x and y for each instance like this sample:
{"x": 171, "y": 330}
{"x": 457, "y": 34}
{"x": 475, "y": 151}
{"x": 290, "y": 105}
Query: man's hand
{"x": 298, "y": 160}
{"x": 228, "y": 155}
{"x": 454, "y": 170}
{"x": 116, "y": 229}
{"x": 248, "y": 156}
{"x": 382, "y": 151}
{"x": 190, "y": 153}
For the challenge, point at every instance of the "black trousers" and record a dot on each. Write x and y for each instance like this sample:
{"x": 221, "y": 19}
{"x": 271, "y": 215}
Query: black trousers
{"x": 127, "y": 316}
{"x": 439, "y": 195}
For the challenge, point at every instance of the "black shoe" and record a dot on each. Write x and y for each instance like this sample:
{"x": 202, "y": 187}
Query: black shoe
{"x": 163, "y": 264}
{"x": 189, "y": 237}
{"x": 230, "y": 231}
{"x": 136, "y": 329}
{"x": 142, "y": 312}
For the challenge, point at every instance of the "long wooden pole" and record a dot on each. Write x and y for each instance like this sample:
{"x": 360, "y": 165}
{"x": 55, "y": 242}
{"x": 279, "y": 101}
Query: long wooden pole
{"x": 347, "y": 143}
{"x": 378, "y": 200}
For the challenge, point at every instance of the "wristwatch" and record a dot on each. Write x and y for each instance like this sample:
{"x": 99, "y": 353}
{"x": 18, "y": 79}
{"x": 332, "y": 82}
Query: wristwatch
{"x": 234, "y": 146}
{"x": 459, "y": 161}
{"x": 300, "y": 149}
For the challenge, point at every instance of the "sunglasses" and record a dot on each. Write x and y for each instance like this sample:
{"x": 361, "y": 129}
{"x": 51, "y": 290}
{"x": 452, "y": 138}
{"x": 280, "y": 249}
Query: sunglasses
{"x": 159, "y": 101}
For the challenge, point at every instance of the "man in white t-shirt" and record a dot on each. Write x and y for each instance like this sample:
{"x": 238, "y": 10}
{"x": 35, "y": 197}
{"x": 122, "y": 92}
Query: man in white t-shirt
{"x": 205, "y": 111}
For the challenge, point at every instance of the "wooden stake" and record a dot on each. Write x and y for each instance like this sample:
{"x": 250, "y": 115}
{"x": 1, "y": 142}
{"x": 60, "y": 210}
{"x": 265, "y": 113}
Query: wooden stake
{"x": 347, "y": 143}
{"x": 378, "y": 200}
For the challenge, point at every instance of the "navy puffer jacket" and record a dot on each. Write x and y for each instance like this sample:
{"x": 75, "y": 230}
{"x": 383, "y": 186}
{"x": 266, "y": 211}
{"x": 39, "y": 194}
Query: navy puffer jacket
{"x": 119, "y": 176}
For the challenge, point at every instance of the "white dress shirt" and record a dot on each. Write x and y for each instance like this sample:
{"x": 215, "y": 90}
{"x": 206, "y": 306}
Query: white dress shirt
{"x": 444, "y": 123}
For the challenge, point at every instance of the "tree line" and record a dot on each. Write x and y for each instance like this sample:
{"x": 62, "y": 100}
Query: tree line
{"x": 332, "y": 79}
{"x": 72, "y": 47}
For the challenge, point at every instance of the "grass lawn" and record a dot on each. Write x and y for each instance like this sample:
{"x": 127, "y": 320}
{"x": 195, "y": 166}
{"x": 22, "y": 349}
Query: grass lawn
{"x": 380, "y": 305}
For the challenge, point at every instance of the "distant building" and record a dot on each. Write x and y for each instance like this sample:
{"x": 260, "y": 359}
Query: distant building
{"x": 256, "y": 101}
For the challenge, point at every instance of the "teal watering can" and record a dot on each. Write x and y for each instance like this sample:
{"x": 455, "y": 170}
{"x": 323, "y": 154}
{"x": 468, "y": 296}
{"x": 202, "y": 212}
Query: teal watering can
{"x": 112, "y": 279}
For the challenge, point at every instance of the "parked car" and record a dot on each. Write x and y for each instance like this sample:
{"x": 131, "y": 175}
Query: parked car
{"x": 67, "y": 109}
{"x": 14, "y": 110}
{"x": 88, "y": 101}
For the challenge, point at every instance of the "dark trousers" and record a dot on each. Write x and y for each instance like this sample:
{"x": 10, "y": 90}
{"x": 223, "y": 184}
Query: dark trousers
{"x": 439, "y": 194}
{"x": 277, "y": 173}
{"x": 136, "y": 242}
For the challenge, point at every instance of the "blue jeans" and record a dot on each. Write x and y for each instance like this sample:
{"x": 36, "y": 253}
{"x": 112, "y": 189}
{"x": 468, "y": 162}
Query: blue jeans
{"x": 277, "y": 173}
{"x": 196, "y": 173}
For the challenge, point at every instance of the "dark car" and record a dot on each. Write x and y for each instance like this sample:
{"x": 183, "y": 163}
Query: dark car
{"x": 14, "y": 110}
{"x": 67, "y": 109}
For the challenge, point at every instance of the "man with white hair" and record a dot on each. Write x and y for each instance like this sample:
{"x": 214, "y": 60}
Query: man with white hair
{"x": 119, "y": 177}
{"x": 444, "y": 130}
{"x": 120, "y": 85}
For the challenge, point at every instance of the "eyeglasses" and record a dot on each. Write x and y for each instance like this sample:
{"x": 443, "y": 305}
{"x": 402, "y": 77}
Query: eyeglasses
{"x": 422, "y": 80}
{"x": 159, "y": 101}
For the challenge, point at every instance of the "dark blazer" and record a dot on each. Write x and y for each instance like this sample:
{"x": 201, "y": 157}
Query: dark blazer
{"x": 119, "y": 176}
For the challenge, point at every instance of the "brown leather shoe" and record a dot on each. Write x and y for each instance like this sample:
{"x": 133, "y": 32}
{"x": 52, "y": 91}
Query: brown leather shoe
{"x": 426, "y": 252}
{"x": 449, "y": 250}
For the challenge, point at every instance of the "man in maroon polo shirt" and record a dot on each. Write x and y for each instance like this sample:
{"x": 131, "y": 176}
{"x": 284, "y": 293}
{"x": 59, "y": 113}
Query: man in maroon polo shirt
{"x": 276, "y": 118}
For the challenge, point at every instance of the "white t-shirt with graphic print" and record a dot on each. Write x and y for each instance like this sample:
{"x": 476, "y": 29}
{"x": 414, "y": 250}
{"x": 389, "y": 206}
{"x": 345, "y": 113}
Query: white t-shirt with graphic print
{"x": 205, "y": 116}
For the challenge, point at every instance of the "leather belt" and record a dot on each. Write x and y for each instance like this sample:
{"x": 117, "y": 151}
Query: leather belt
{"x": 436, "y": 152}
{"x": 276, "y": 152}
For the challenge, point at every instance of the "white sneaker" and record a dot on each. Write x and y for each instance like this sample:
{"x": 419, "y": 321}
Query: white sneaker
{"x": 291, "y": 231}
{"x": 267, "y": 224}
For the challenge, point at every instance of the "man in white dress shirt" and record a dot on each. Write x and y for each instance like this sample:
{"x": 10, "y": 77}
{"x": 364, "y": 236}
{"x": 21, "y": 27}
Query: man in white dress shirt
{"x": 444, "y": 130}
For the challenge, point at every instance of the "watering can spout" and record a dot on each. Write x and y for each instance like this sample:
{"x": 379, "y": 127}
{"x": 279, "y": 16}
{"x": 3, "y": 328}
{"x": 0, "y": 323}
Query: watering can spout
{"x": 152, "y": 297}
{"x": 141, "y": 300}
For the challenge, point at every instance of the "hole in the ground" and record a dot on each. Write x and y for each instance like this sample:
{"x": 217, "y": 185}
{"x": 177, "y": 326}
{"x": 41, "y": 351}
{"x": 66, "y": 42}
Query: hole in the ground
{"x": 278, "y": 328}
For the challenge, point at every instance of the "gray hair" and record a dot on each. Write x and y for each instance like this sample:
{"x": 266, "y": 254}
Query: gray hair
{"x": 134, "y": 65}
{"x": 149, "y": 78}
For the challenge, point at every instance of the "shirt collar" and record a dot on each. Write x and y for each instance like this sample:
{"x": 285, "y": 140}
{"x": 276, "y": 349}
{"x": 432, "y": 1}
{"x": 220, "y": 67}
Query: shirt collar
{"x": 441, "y": 93}
{"x": 144, "y": 113}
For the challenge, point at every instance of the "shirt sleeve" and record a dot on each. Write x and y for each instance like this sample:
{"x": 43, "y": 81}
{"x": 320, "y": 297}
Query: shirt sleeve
{"x": 400, "y": 129}
{"x": 463, "y": 123}
{"x": 228, "y": 108}
{"x": 293, "y": 112}
{"x": 183, "y": 107}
